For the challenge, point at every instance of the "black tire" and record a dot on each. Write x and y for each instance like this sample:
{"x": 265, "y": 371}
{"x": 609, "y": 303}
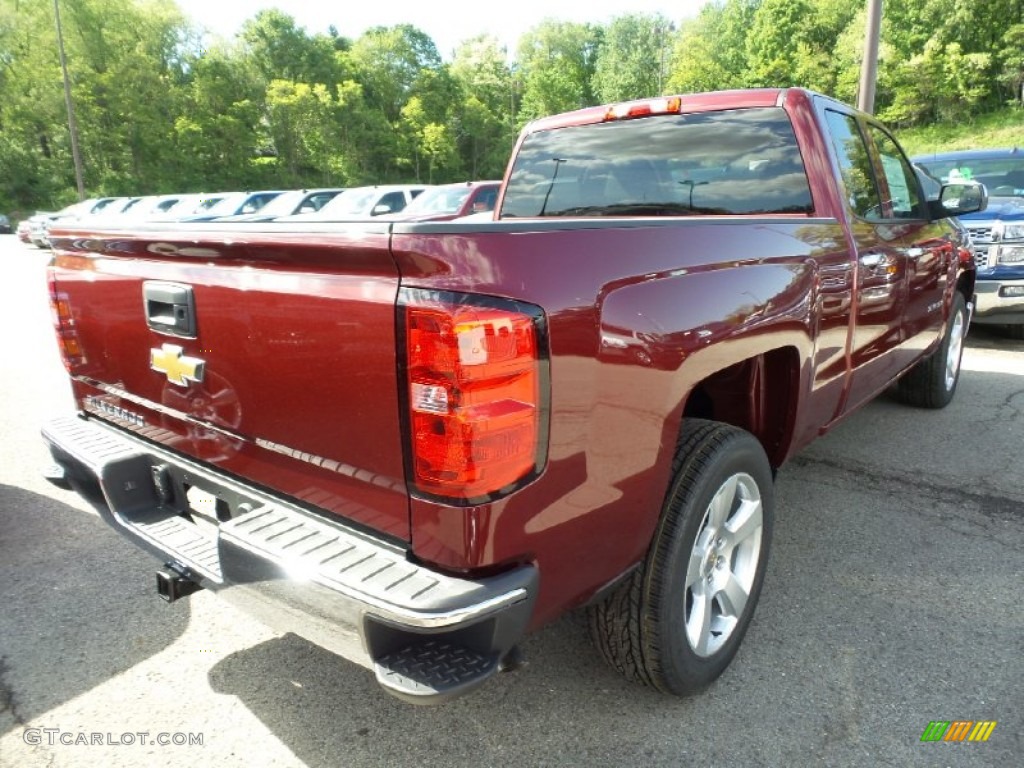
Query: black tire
{"x": 641, "y": 629}
{"x": 932, "y": 382}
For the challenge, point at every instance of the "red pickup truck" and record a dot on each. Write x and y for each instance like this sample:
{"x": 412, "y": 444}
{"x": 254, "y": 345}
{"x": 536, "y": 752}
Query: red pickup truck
{"x": 413, "y": 443}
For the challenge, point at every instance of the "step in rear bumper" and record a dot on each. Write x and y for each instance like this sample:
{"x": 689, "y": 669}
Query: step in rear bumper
{"x": 301, "y": 572}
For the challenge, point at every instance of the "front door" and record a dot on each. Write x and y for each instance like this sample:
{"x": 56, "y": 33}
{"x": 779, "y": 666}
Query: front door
{"x": 929, "y": 253}
{"x": 880, "y": 266}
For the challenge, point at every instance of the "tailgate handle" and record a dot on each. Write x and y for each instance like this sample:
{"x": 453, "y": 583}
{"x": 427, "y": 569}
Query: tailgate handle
{"x": 170, "y": 308}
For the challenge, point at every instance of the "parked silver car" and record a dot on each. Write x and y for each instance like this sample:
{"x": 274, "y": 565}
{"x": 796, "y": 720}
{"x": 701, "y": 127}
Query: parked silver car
{"x": 364, "y": 203}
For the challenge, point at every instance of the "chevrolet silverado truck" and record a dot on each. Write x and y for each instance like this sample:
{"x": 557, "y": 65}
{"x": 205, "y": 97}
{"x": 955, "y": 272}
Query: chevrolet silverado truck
{"x": 414, "y": 443}
{"x": 997, "y": 233}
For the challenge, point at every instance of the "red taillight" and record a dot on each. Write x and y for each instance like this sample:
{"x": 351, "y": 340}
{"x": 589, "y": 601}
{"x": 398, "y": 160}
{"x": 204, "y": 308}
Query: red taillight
{"x": 63, "y": 323}
{"x": 474, "y": 377}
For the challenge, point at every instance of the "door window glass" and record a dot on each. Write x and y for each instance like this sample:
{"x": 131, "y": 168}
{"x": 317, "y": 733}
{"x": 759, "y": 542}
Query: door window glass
{"x": 854, "y": 166}
{"x": 904, "y": 198}
{"x": 394, "y": 200}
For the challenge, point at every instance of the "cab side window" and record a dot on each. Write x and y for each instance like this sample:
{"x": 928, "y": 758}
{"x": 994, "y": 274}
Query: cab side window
{"x": 904, "y": 197}
{"x": 855, "y": 166}
{"x": 394, "y": 200}
{"x": 485, "y": 200}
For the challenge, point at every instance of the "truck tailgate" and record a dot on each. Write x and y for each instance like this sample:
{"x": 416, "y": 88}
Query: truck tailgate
{"x": 274, "y": 361}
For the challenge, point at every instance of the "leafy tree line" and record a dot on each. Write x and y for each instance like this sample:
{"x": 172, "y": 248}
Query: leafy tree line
{"x": 939, "y": 60}
{"x": 159, "y": 111}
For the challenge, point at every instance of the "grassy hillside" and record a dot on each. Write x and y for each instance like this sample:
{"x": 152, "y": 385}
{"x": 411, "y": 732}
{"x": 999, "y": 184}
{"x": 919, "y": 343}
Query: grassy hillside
{"x": 998, "y": 129}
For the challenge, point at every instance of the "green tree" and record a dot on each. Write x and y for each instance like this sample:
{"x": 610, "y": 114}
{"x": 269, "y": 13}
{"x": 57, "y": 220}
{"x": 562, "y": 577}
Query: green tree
{"x": 218, "y": 128}
{"x": 368, "y": 143}
{"x": 388, "y": 61}
{"x": 941, "y": 82}
{"x": 438, "y": 147}
{"x": 127, "y": 60}
{"x": 157, "y": 112}
{"x": 774, "y": 54}
{"x": 948, "y": 57}
{"x": 710, "y": 50}
{"x": 35, "y": 158}
{"x": 634, "y": 58}
{"x": 484, "y": 123}
{"x": 848, "y": 57}
{"x": 557, "y": 61}
{"x": 1011, "y": 60}
{"x": 302, "y": 121}
{"x": 413, "y": 122}
{"x": 281, "y": 50}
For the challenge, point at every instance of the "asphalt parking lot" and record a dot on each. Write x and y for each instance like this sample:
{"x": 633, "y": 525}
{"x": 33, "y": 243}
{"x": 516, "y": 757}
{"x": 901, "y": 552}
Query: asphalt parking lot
{"x": 892, "y": 599}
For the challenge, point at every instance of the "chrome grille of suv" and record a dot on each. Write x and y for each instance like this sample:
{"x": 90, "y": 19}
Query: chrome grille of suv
{"x": 981, "y": 238}
{"x": 981, "y": 234}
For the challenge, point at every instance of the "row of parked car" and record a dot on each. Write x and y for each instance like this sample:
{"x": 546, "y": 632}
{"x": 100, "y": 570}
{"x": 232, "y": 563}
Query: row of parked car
{"x": 410, "y": 202}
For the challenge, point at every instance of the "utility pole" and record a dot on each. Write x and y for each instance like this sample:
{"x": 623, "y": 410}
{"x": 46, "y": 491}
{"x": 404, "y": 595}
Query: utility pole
{"x": 72, "y": 125}
{"x": 869, "y": 66}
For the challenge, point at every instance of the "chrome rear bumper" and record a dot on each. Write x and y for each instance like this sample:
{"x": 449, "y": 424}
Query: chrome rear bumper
{"x": 427, "y": 635}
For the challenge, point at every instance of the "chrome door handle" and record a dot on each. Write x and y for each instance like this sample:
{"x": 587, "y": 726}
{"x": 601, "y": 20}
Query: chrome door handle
{"x": 871, "y": 260}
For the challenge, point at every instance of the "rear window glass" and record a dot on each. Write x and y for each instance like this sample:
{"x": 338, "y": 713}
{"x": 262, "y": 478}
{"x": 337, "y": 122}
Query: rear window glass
{"x": 742, "y": 161}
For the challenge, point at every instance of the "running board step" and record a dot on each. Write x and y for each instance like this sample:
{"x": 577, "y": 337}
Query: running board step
{"x": 431, "y": 670}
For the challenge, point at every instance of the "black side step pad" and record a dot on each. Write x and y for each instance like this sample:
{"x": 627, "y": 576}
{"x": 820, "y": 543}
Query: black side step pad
{"x": 430, "y": 670}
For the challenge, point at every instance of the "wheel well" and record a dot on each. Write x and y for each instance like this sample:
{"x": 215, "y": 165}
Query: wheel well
{"x": 757, "y": 394}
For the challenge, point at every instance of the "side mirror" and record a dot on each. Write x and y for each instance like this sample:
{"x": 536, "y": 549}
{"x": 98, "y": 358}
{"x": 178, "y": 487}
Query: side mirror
{"x": 379, "y": 209}
{"x": 959, "y": 198}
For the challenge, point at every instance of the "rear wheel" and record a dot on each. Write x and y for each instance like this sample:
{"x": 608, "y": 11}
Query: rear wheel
{"x": 678, "y": 620}
{"x": 932, "y": 382}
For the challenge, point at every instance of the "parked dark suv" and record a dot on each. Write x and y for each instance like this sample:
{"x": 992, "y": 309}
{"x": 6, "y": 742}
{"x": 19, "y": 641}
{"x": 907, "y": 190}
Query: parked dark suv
{"x": 997, "y": 233}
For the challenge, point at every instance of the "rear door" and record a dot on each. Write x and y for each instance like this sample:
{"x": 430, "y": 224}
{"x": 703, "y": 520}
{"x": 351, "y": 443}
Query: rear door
{"x": 271, "y": 355}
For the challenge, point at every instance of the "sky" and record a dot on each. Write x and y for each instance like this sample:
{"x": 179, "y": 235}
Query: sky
{"x": 447, "y": 23}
